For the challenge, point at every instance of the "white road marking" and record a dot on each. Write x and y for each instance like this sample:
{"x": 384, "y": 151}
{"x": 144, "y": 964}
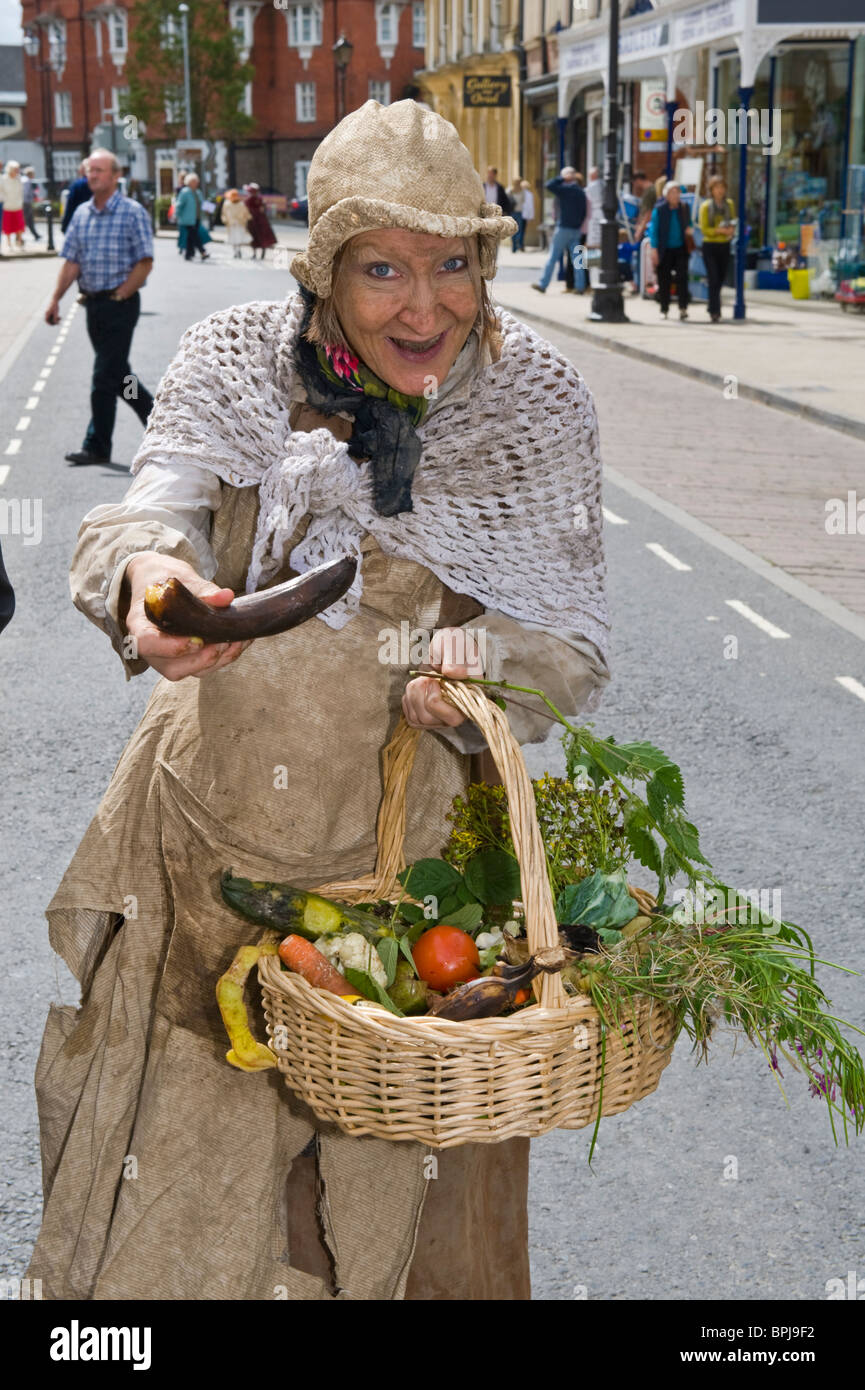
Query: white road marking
{"x": 39, "y": 385}
{"x": 773, "y": 574}
{"x": 4, "y": 473}
{"x": 663, "y": 554}
{"x": 23, "y": 423}
{"x": 13, "y": 446}
{"x": 713, "y": 620}
{"x": 45, "y": 373}
{"x": 613, "y": 518}
{"x": 32, "y": 402}
{"x": 855, "y": 687}
{"x": 762, "y": 623}
{"x": 49, "y": 361}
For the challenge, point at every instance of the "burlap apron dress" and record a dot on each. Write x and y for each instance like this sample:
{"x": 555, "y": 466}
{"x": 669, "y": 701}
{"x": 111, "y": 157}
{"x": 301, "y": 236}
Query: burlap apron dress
{"x": 167, "y": 1173}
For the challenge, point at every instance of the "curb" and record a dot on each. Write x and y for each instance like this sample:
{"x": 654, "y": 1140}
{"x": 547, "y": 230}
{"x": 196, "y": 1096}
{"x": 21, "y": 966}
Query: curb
{"x": 28, "y": 256}
{"x": 843, "y": 423}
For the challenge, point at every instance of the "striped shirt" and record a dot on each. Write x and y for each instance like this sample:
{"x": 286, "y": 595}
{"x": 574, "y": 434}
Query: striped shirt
{"x": 107, "y": 243}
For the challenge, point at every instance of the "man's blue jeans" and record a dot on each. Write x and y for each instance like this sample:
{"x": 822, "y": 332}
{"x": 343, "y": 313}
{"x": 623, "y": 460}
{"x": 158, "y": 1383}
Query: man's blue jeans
{"x": 564, "y": 239}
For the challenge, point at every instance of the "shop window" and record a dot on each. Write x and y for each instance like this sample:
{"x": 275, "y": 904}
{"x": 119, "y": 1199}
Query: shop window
{"x": 802, "y": 180}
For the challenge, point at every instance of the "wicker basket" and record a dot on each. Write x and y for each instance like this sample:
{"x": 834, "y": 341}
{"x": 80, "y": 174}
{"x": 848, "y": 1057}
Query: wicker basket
{"x": 442, "y": 1083}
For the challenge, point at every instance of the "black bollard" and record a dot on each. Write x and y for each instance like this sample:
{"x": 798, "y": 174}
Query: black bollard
{"x": 49, "y": 218}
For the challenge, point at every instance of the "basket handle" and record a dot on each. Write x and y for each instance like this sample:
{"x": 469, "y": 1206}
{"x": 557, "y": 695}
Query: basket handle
{"x": 541, "y": 925}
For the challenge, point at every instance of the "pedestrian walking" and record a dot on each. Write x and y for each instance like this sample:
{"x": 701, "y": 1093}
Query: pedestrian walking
{"x": 260, "y": 230}
{"x": 644, "y": 189}
{"x": 236, "y": 217}
{"x": 517, "y": 197}
{"x": 12, "y": 198}
{"x": 188, "y": 217}
{"x": 572, "y": 212}
{"x": 718, "y": 226}
{"x": 494, "y": 192}
{"x": 79, "y": 192}
{"x": 528, "y": 207}
{"x": 669, "y": 233}
{"x": 109, "y": 250}
{"x": 287, "y": 433}
{"x": 30, "y": 189}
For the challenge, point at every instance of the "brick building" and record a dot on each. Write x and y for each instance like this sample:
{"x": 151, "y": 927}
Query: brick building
{"x": 77, "y": 93}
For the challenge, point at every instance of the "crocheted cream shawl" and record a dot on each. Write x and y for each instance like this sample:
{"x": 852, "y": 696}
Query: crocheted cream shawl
{"x": 507, "y": 495}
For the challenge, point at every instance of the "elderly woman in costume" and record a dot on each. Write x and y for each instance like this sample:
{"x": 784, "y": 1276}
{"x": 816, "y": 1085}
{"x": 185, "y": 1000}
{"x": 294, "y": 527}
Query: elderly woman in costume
{"x": 384, "y": 411}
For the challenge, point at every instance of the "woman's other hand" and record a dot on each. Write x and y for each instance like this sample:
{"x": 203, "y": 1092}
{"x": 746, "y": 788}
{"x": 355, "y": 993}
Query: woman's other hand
{"x": 454, "y": 652}
{"x": 174, "y": 657}
{"x": 655, "y": 256}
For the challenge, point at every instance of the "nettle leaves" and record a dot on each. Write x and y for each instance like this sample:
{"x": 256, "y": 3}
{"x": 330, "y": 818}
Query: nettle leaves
{"x": 491, "y": 878}
{"x": 658, "y": 833}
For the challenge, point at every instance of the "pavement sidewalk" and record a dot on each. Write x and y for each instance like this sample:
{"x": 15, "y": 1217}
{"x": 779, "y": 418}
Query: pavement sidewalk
{"x": 806, "y": 357}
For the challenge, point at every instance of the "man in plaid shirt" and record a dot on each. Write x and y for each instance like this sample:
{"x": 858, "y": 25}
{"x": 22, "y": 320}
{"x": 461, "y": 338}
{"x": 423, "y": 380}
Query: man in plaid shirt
{"x": 109, "y": 250}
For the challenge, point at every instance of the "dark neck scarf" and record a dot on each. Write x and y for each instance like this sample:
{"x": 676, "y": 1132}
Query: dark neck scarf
{"x": 385, "y": 420}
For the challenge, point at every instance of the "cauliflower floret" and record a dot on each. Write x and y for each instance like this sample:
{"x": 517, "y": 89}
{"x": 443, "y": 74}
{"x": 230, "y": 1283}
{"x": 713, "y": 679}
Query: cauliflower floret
{"x": 351, "y": 951}
{"x": 485, "y": 939}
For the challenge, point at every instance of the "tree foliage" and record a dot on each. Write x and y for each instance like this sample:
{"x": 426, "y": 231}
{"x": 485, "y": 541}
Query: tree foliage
{"x": 217, "y": 74}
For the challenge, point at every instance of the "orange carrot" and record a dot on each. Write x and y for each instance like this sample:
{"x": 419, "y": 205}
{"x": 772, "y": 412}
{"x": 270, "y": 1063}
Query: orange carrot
{"x": 306, "y": 960}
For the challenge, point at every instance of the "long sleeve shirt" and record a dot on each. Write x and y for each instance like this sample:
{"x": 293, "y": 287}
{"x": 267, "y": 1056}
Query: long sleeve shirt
{"x": 572, "y": 202}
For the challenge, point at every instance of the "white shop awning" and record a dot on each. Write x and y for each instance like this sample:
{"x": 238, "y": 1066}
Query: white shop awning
{"x": 659, "y": 40}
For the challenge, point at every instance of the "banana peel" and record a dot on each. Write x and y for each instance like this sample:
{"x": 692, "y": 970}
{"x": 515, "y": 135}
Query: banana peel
{"x": 245, "y": 1052}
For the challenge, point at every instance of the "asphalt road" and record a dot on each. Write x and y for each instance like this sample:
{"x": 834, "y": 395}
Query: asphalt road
{"x": 770, "y": 746}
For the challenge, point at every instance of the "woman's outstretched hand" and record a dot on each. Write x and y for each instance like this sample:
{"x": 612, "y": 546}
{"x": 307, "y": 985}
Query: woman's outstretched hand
{"x": 454, "y": 652}
{"x": 174, "y": 657}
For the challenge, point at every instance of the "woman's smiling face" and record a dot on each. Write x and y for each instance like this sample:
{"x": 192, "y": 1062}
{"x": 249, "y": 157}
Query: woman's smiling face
{"x": 407, "y": 302}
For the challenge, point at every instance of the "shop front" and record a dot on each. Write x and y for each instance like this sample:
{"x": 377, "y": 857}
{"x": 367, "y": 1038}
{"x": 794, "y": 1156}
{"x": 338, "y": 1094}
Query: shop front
{"x": 783, "y": 81}
{"x": 800, "y": 178}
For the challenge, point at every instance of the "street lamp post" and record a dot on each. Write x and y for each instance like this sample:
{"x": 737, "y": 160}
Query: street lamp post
{"x": 342, "y": 51}
{"x": 33, "y": 49}
{"x": 608, "y": 306}
{"x": 183, "y": 11}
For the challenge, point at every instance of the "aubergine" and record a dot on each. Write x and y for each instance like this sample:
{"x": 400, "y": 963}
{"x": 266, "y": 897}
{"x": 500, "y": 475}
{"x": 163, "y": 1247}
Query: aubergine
{"x": 173, "y": 609}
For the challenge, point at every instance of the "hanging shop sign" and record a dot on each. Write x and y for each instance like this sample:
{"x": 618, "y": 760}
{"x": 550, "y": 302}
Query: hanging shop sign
{"x": 487, "y": 89}
{"x": 653, "y": 112}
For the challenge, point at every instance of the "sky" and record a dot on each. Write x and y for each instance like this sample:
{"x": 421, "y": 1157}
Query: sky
{"x": 10, "y": 21}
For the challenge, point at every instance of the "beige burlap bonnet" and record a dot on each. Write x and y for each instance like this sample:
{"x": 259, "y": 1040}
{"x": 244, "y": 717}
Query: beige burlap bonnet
{"x": 406, "y": 167}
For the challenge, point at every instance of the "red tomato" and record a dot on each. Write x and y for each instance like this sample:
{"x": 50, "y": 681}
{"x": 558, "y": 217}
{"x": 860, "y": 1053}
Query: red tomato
{"x": 446, "y": 956}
